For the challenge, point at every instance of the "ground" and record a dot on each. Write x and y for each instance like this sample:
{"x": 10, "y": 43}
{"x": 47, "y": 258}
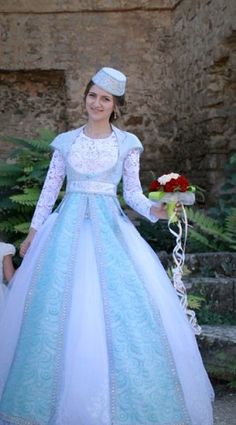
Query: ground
{"x": 225, "y": 406}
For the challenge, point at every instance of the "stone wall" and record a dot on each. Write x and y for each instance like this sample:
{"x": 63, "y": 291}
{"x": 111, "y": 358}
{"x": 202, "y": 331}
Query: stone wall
{"x": 48, "y": 36}
{"x": 30, "y": 100}
{"x": 204, "y": 58}
{"x": 178, "y": 57}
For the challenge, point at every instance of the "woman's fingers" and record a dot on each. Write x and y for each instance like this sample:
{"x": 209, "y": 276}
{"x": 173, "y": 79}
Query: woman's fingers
{"x": 178, "y": 209}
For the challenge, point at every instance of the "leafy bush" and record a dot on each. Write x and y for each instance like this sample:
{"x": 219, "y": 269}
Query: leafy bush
{"x": 208, "y": 234}
{"x": 21, "y": 179}
{"x": 227, "y": 195}
{"x": 216, "y": 229}
{"x": 157, "y": 235}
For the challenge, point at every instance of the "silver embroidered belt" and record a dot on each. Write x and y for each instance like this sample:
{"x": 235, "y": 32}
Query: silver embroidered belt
{"x": 87, "y": 186}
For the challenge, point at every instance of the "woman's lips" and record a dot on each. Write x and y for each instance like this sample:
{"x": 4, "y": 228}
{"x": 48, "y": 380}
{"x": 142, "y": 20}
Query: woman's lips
{"x": 96, "y": 110}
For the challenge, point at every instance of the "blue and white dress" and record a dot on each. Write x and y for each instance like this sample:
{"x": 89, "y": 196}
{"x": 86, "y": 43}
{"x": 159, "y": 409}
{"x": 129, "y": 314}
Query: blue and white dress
{"x": 93, "y": 332}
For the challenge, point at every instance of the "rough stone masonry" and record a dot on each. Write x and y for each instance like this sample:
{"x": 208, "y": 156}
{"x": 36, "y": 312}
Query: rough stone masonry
{"x": 179, "y": 56}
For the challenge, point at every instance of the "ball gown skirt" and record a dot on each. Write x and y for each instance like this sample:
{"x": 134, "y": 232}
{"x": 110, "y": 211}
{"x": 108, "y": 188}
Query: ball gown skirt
{"x": 93, "y": 333}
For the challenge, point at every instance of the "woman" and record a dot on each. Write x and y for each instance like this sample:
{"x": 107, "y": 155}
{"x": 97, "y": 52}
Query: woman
{"x": 98, "y": 337}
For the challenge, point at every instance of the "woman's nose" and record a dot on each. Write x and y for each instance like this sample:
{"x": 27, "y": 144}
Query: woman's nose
{"x": 97, "y": 101}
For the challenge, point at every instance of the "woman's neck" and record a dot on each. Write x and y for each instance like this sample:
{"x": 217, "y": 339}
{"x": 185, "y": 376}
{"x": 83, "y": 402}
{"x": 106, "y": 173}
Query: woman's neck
{"x": 97, "y": 129}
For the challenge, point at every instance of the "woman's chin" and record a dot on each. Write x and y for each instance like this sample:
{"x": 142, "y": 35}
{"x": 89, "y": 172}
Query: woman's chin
{"x": 98, "y": 117}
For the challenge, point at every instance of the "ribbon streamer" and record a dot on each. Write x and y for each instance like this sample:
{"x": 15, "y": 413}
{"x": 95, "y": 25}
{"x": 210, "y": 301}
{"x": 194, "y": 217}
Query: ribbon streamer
{"x": 179, "y": 258}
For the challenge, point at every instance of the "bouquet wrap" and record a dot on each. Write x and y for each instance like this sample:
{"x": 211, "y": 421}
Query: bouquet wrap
{"x": 170, "y": 198}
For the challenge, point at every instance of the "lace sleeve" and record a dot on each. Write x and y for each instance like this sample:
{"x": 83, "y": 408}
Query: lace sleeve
{"x": 50, "y": 191}
{"x": 132, "y": 190}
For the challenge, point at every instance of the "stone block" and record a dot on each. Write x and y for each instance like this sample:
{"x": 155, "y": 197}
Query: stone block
{"x": 218, "y": 348}
{"x": 218, "y": 293}
{"x": 212, "y": 263}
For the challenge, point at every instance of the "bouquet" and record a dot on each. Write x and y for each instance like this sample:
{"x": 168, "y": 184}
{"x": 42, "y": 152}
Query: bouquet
{"x": 169, "y": 189}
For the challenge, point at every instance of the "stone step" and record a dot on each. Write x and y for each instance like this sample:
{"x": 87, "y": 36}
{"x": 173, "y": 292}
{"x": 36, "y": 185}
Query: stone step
{"x": 206, "y": 264}
{"x": 212, "y": 264}
{"x": 218, "y": 292}
{"x": 218, "y": 348}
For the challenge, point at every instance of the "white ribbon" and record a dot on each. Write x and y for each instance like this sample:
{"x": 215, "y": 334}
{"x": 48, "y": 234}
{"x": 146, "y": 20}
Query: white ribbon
{"x": 179, "y": 258}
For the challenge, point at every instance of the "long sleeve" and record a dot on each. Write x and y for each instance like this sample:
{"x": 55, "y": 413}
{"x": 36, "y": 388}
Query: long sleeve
{"x": 132, "y": 190}
{"x": 50, "y": 191}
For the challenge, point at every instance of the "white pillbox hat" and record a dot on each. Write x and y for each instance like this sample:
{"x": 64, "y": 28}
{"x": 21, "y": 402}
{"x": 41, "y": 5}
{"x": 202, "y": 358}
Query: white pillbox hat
{"x": 110, "y": 80}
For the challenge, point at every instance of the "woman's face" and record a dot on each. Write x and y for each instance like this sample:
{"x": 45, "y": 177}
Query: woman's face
{"x": 99, "y": 104}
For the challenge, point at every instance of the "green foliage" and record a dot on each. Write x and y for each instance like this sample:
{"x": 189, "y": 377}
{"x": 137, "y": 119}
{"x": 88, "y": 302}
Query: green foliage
{"x": 208, "y": 313}
{"x": 210, "y": 234}
{"x": 230, "y": 223}
{"x": 207, "y": 316}
{"x": 195, "y": 301}
{"x": 232, "y": 385}
{"x": 227, "y": 199}
{"x": 157, "y": 235}
{"x": 21, "y": 179}
{"x": 216, "y": 230}
{"x": 29, "y": 196}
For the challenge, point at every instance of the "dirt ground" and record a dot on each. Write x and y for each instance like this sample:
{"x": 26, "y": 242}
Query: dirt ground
{"x": 225, "y": 406}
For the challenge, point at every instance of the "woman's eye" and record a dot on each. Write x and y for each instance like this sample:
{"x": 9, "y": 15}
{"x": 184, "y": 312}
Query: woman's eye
{"x": 91, "y": 94}
{"x": 107, "y": 99}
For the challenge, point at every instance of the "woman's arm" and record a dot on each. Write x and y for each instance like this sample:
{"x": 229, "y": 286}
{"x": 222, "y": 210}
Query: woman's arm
{"x": 50, "y": 190}
{"x": 132, "y": 190}
{"x": 8, "y": 268}
{"x": 47, "y": 199}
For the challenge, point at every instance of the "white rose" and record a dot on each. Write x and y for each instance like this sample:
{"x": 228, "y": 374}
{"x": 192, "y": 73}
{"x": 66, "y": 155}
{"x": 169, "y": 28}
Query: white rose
{"x": 167, "y": 177}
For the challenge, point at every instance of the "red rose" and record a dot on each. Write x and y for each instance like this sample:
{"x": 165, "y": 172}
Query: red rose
{"x": 171, "y": 186}
{"x": 154, "y": 186}
{"x": 182, "y": 183}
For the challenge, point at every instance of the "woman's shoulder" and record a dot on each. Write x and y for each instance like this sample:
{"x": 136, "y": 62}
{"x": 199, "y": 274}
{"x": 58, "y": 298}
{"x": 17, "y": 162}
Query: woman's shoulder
{"x": 66, "y": 135}
{"x": 130, "y": 139}
{"x": 63, "y": 140}
{"x": 133, "y": 142}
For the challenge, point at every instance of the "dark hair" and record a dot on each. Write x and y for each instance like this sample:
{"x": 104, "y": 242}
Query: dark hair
{"x": 119, "y": 100}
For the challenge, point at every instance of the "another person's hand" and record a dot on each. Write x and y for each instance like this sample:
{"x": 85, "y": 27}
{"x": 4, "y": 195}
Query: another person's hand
{"x": 160, "y": 211}
{"x": 27, "y": 242}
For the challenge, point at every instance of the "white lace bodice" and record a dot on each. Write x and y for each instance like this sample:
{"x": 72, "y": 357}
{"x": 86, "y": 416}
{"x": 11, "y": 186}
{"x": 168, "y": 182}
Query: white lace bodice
{"x": 93, "y": 155}
{"x": 90, "y": 156}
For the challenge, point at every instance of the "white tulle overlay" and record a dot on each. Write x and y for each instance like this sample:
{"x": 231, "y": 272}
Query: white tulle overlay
{"x": 124, "y": 352}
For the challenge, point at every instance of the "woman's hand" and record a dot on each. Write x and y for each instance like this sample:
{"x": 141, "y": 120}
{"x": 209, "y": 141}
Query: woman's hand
{"x": 27, "y": 242}
{"x": 160, "y": 211}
